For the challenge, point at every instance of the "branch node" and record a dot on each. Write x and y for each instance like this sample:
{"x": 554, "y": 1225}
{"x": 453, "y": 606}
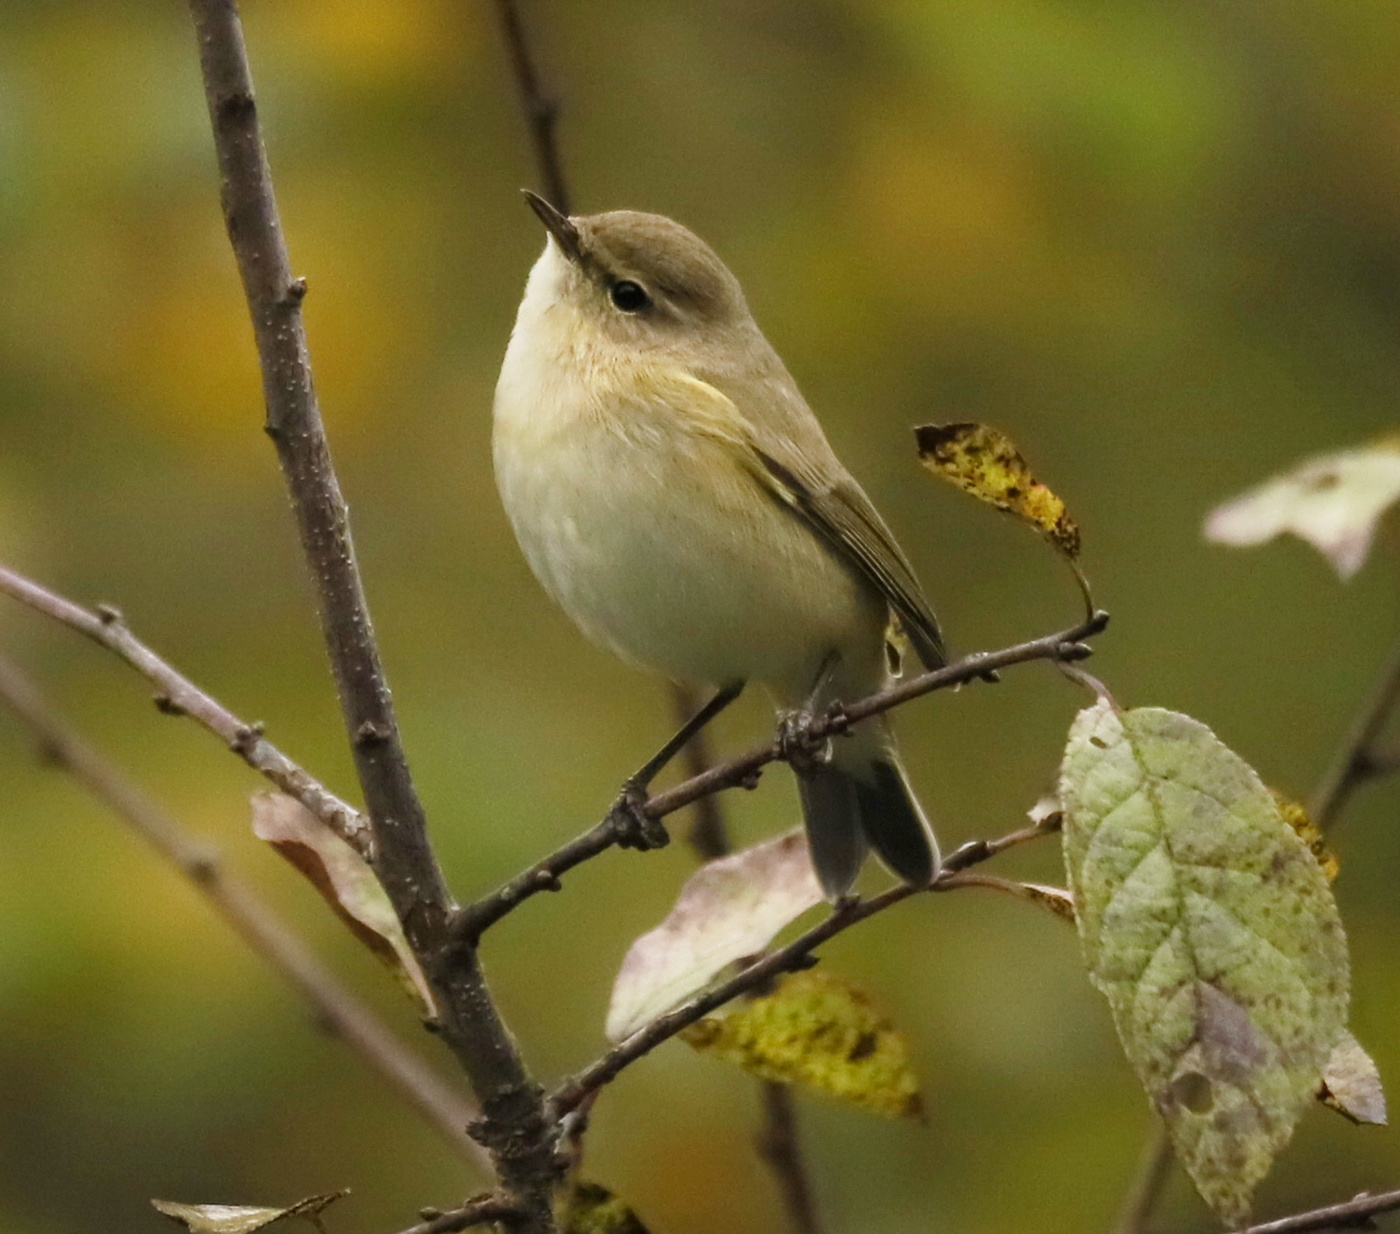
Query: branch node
{"x": 429, "y": 1213}
{"x": 370, "y": 734}
{"x": 547, "y": 880}
{"x": 294, "y": 293}
{"x": 167, "y": 706}
{"x": 203, "y": 868}
{"x": 109, "y": 615}
{"x": 1069, "y": 652}
{"x": 246, "y": 736}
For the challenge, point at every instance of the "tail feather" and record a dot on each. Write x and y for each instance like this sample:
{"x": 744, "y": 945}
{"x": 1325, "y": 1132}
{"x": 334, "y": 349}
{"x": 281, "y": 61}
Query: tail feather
{"x": 831, "y": 809}
{"x": 894, "y": 825}
{"x": 852, "y": 807}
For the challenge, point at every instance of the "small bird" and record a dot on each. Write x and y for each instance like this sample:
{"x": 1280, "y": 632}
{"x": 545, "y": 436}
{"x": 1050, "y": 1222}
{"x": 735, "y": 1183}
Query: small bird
{"x": 674, "y": 493}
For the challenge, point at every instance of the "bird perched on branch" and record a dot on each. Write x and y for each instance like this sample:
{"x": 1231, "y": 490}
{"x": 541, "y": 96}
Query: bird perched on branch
{"x": 674, "y": 493}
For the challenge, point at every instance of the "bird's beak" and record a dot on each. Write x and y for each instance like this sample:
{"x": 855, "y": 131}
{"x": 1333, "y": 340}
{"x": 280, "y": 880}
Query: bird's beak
{"x": 558, "y": 225}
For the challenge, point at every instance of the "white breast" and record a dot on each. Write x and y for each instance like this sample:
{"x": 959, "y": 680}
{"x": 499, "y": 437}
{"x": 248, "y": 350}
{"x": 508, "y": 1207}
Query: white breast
{"x": 654, "y": 538}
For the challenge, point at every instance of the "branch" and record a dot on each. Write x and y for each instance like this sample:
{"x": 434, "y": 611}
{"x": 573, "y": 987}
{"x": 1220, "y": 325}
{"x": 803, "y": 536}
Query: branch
{"x": 545, "y": 874}
{"x": 515, "y": 1127}
{"x": 780, "y": 1146}
{"x": 481, "y": 1211}
{"x": 1153, "y": 1170}
{"x": 339, "y": 1012}
{"x": 178, "y": 695}
{"x": 541, "y": 109}
{"x": 1359, "y": 759}
{"x": 1354, "y": 1214}
{"x": 794, "y": 955}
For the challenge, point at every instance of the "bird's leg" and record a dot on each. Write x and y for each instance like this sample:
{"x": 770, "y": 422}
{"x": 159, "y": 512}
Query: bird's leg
{"x": 636, "y": 828}
{"x": 804, "y": 753}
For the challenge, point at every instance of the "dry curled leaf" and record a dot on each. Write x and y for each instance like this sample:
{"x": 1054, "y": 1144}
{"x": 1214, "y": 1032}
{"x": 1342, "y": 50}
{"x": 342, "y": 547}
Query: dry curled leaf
{"x": 985, "y": 462}
{"x": 728, "y": 909}
{"x": 1333, "y": 501}
{"x": 1211, "y": 930}
{"x": 239, "y": 1219}
{"x": 346, "y": 882}
{"x": 819, "y": 1031}
{"x": 1351, "y": 1084}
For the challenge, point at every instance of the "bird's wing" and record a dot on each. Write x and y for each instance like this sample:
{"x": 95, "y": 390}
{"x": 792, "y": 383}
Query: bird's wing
{"x": 790, "y": 455}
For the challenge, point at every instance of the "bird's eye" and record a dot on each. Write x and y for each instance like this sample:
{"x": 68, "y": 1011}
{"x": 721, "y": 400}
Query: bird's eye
{"x": 630, "y": 297}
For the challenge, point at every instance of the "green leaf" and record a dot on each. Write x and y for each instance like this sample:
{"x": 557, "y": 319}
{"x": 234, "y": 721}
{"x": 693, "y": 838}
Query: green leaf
{"x": 1211, "y": 930}
{"x": 817, "y": 1030}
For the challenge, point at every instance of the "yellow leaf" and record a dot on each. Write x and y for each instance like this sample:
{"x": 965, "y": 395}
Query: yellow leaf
{"x": 815, "y": 1029}
{"x": 985, "y": 462}
{"x": 240, "y": 1219}
{"x": 593, "y": 1209}
{"x": 1296, "y": 815}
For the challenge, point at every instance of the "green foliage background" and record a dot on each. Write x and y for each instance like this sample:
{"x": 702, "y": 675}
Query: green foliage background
{"x": 1158, "y": 243}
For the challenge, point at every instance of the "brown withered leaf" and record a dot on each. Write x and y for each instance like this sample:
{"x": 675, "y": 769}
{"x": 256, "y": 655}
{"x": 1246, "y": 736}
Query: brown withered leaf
{"x": 728, "y": 909}
{"x": 1351, "y": 1084}
{"x": 985, "y": 462}
{"x": 1333, "y": 501}
{"x": 346, "y": 882}
{"x": 241, "y": 1219}
{"x": 819, "y": 1031}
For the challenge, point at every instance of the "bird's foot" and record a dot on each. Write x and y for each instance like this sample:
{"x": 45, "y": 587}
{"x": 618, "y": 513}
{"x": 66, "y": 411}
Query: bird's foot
{"x": 797, "y": 746}
{"x": 631, "y": 824}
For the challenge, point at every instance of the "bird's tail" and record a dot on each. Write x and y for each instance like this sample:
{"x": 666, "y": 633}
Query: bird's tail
{"x": 862, "y": 801}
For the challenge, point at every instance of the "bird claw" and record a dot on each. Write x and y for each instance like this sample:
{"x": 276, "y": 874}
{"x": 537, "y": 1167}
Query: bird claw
{"x": 797, "y": 746}
{"x": 631, "y": 823}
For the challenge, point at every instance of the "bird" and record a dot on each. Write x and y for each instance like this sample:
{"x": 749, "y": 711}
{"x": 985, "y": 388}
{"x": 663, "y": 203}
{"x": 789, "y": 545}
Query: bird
{"x": 673, "y": 492}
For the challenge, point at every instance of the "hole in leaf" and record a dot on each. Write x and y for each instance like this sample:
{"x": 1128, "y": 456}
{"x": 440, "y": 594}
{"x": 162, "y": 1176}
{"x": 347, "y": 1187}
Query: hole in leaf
{"x": 1099, "y": 742}
{"x": 1193, "y": 1092}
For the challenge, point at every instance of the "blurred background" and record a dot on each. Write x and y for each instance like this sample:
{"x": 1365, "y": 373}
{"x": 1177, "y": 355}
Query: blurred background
{"x": 1158, "y": 243}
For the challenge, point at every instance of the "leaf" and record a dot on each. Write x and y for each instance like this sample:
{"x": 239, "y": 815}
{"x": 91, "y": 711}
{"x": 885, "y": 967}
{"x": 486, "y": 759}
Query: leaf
{"x": 1351, "y": 1085}
{"x": 235, "y": 1219}
{"x": 1333, "y": 501}
{"x": 346, "y": 882}
{"x": 595, "y": 1210}
{"x": 728, "y": 909}
{"x": 1296, "y": 815}
{"x": 1212, "y": 932}
{"x": 985, "y": 462}
{"x": 817, "y": 1030}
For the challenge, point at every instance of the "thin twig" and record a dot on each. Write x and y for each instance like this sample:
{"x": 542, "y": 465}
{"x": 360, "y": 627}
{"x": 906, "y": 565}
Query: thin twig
{"x": 515, "y": 1126}
{"x": 709, "y": 835}
{"x": 484, "y": 1210}
{"x": 793, "y": 955}
{"x": 1150, "y": 1177}
{"x": 545, "y": 874}
{"x": 780, "y": 1145}
{"x": 337, "y": 1010}
{"x": 541, "y": 108}
{"x": 178, "y": 695}
{"x": 1354, "y": 1214}
{"x": 1358, "y": 759}
{"x": 778, "y": 1140}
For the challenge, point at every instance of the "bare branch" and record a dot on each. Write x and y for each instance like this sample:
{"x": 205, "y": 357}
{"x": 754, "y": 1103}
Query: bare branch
{"x": 338, "y": 1011}
{"x": 792, "y": 956}
{"x": 781, "y": 1147}
{"x": 515, "y": 1127}
{"x": 1354, "y": 1214}
{"x": 178, "y": 695}
{"x": 485, "y": 1210}
{"x": 709, "y": 836}
{"x": 541, "y": 108}
{"x": 1153, "y": 1170}
{"x": 1359, "y": 759}
{"x": 545, "y": 874}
